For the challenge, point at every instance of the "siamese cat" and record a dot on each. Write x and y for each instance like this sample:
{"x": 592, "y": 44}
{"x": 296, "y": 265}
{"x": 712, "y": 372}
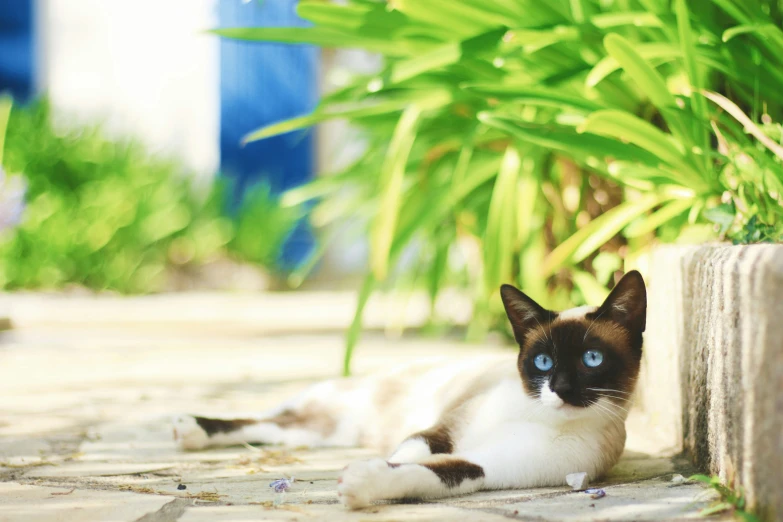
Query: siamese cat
{"x": 497, "y": 422}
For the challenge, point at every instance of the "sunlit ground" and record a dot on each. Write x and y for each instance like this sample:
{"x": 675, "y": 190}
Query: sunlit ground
{"x": 88, "y": 386}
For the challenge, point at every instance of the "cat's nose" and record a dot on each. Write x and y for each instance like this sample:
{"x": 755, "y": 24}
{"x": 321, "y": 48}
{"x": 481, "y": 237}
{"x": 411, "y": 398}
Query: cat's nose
{"x": 561, "y": 384}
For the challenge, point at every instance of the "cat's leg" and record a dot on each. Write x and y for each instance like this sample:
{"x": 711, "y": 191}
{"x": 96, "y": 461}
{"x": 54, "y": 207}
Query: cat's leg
{"x": 424, "y": 444}
{"x": 318, "y": 417}
{"x": 522, "y": 455}
{"x": 194, "y": 432}
{"x": 436, "y": 476}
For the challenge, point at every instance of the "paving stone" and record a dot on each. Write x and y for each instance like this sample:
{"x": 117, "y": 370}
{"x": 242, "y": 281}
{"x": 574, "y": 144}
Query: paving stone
{"x": 25, "y": 503}
{"x": 648, "y": 500}
{"x": 386, "y": 513}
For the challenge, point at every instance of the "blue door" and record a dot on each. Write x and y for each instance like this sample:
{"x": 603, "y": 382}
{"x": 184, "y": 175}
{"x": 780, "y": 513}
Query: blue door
{"x": 262, "y": 83}
{"x": 16, "y": 48}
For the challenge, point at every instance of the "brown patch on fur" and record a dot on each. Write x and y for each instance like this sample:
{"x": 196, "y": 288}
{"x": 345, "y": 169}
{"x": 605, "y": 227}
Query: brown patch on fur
{"x": 438, "y": 438}
{"x": 214, "y": 426}
{"x": 307, "y": 418}
{"x": 453, "y": 472}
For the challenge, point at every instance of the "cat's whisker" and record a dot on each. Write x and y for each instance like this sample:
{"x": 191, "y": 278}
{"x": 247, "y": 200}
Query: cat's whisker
{"x": 617, "y": 397}
{"x": 607, "y": 410}
{"x": 612, "y": 404}
{"x": 609, "y": 390}
{"x": 613, "y": 419}
{"x": 604, "y": 415}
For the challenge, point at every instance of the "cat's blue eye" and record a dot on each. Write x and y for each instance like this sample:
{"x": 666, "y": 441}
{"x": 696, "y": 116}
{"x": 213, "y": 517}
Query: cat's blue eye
{"x": 593, "y": 358}
{"x": 543, "y": 362}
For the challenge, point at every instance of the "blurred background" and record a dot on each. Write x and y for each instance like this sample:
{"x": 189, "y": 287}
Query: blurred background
{"x": 421, "y": 147}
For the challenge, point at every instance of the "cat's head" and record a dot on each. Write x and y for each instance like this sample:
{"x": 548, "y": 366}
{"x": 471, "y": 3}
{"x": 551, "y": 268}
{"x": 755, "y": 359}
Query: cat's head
{"x": 583, "y": 359}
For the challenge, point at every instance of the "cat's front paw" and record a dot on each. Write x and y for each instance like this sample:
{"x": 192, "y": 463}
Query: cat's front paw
{"x": 188, "y": 434}
{"x": 361, "y": 483}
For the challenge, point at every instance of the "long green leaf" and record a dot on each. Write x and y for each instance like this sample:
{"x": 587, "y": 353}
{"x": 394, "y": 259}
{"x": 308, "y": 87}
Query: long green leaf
{"x": 625, "y": 126}
{"x": 481, "y": 172}
{"x": 524, "y": 93}
{"x": 648, "y": 51}
{"x": 439, "y": 57}
{"x": 355, "y": 330}
{"x": 5, "y": 115}
{"x": 527, "y": 193}
{"x": 659, "y": 217}
{"x": 643, "y": 177}
{"x": 301, "y": 122}
{"x": 698, "y": 103}
{"x": 596, "y": 233}
{"x": 568, "y": 140}
{"x": 390, "y": 186}
{"x": 426, "y": 100}
{"x": 632, "y": 18}
{"x": 650, "y": 82}
{"x": 645, "y": 76}
{"x": 323, "y": 37}
{"x": 336, "y": 16}
{"x": 460, "y": 17}
{"x": 766, "y": 32}
{"x": 501, "y": 222}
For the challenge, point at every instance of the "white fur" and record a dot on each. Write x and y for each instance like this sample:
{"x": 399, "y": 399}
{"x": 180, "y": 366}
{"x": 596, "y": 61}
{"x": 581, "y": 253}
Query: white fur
{"x": 575, "y": 313}
{"x": 411, "y": 450}
{"x": 549, "y": 398}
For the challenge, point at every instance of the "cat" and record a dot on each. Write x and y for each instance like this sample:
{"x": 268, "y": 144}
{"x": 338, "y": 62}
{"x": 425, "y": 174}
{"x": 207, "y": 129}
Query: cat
{"x": 488, "y": 423}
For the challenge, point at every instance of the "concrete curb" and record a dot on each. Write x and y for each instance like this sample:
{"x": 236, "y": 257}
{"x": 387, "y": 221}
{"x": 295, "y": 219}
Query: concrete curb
{"x": 712, "y": 382}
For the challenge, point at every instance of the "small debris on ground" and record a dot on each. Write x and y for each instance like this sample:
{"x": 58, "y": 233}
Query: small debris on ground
{"x": 679, "y": 479}
{"x": 577, "y": 481}
{"x": 207, "y": 496}
{"x": 282, "y": 485}
{"x": 596, "y": 493}
{"x": 181, "y": 487}
{"x": 137, "y": 489}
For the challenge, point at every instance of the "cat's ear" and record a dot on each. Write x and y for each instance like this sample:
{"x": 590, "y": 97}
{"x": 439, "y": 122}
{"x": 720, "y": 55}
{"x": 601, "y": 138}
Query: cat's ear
{"x": 524, "y": 313}
{"x": 627, "y": 303}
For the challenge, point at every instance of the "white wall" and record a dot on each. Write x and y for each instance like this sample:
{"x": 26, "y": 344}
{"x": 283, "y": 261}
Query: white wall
{"x": 145, "y": 67}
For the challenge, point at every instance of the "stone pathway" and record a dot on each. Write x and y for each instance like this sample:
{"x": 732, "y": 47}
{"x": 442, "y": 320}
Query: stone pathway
{"x": 83, "y": 432}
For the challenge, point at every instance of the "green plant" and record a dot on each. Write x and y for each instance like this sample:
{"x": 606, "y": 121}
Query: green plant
{"x": 731, "y": 499}
{"x": 550, "y": 135}
{"x": 107, "y": 215}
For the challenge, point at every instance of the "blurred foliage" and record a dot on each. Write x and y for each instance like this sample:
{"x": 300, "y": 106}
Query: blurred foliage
{"x": 107, "y": 215}
{"x": 547, "y": 144}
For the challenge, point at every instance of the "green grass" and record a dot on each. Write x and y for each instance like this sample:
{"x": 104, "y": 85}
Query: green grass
{"x": 548, "y": 135}
{"x": 107, "y": 215}
{"x": 731, "y": 500}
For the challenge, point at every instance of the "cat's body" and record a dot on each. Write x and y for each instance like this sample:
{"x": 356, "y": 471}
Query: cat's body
{"x": 491, "y": 423}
